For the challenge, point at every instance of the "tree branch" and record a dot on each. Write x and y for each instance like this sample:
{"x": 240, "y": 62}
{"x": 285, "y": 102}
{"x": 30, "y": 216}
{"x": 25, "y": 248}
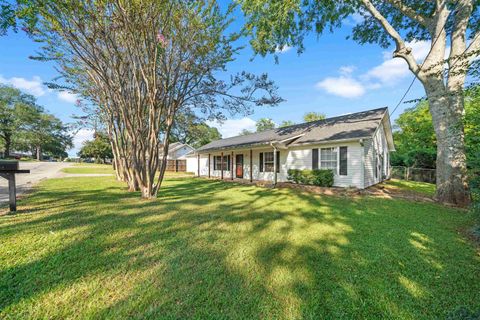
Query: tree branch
{"x": 401, "y": 50}
{"x": 410, "y": 12}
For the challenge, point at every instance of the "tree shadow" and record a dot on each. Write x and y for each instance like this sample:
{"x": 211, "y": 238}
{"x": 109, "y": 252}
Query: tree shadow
{"x": 208, "y": 249}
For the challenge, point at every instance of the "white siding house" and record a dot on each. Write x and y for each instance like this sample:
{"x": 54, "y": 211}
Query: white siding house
{"x": 355, "y": 146}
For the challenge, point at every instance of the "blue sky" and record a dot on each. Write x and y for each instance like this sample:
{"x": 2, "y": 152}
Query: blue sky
{"x": 333, "y": 76}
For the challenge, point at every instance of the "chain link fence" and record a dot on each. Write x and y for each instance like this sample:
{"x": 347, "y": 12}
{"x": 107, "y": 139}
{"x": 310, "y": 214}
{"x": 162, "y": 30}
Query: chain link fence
{"x": 414, "y": 174}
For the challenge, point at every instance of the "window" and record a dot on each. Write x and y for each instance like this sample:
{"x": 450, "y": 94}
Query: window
{"x": 314, "y": 159}
{"x": 328, "y": 159}
{"x": 267, "y": 161}
{"x": 343, "y": 161}
{"x": 217, "y": 163}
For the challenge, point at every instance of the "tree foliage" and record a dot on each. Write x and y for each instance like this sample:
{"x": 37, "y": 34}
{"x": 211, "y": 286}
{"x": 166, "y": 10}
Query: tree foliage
{"x": 99, "y": 148}
{"x": 313, "y": 116}
{"x": 286, "y": 123}
{"x": 192, "y": 130}
{"x": 264, "y": 124}
{"x": 25, "y": 126}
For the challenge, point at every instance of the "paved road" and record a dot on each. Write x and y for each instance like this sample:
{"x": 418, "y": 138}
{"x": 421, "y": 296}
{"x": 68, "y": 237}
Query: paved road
{"x": 38, "y": 171}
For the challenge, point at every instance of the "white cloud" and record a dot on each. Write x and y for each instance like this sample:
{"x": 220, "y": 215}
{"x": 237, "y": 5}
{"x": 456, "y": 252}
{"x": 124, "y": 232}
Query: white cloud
{"x": 386, "y": 74}
{"x": 389, "y": 72}
{"x": 343, "y": 86}
{"x": 346, "y": 70}
{"x": 232, "y": 127}
{"x": 67, "y": 96}
{"x": 392, "y": 70}
{"x": 283, "y": 49}
{"x": 81, "y": 136}
{"x": 34, "y": 86}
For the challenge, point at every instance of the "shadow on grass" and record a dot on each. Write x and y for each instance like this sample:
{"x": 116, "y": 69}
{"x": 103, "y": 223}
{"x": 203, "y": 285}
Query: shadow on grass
{"x": 208, "y": 249}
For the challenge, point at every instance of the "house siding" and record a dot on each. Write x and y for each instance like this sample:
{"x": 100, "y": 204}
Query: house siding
{"x": 373, "y": 149}
{"x": 293, "y": 158}
{"x": 301, "y": 158}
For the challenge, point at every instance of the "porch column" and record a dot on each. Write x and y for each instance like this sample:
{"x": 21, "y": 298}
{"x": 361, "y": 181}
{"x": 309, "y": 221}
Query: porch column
{"x": 274, "y": 166}
{"x": 221, "y": 166}
{"x": 198, "y": 164}
{"x": 231, "y": 167}
{"x": 209, "y": 165}
{"x": 251, "y": 165}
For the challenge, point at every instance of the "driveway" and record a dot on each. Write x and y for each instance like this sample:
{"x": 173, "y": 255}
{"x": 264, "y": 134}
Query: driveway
{"x": 38, "y": 171}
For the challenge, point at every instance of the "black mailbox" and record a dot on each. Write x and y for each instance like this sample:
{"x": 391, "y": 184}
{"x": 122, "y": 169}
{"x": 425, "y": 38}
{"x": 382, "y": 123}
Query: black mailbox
{"x": 8, "y": 165}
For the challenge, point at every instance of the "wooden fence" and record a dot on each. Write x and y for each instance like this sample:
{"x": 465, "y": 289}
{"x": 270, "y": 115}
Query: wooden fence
{"x": 176, "y": 165}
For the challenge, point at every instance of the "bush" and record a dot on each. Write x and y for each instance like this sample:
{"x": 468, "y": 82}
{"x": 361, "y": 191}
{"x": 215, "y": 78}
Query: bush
{"x": 322, "y": 178}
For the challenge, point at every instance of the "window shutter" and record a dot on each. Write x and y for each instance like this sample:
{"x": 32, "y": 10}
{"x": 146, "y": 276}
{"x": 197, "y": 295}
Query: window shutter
{"x": 228, "y": 163}
{"x": 343, "y": 161}
{"x": 261, "y": 161}
{"x": 278, "y": 161}
{"x": 214, "y": 162}
{"x": 314, "y": 159}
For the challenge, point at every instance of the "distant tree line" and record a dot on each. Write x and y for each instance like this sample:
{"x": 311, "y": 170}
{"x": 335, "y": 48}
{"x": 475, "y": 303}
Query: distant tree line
{"x": 27, "y": 127}
{"x": 264, "y": 124}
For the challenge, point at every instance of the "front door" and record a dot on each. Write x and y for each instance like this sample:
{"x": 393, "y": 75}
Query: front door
{"x": 239, "y": 165}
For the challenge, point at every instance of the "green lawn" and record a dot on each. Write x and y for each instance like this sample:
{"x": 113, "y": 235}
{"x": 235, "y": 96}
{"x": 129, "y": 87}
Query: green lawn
{"x": 89, "y": 168}
{"x": 84, "y": 168}
{"x": 424, "y": 188}
{"x": 85, "y": 248}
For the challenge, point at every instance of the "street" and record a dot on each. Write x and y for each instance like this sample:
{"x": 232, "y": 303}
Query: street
{"x": 38, "y": 172}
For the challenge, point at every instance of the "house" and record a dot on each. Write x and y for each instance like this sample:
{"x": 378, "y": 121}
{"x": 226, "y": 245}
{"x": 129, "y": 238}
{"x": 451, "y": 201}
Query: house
{"x": 177, "y": 156}
{"x": 355, "y": 146}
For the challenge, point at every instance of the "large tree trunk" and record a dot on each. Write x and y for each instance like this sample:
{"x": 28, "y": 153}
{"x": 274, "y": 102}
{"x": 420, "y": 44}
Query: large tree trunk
{"x": 447, "y": 114}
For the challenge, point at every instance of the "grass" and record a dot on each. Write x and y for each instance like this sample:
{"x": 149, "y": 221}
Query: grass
{"x": 89, "y": 168}
{"x": 85, "y": 248}
{"x": 84, "y": 168}
{"x": 423, "y": 188}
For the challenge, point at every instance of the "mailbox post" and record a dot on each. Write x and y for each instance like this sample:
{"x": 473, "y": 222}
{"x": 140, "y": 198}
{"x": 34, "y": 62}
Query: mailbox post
{"x": 8, "y": 169}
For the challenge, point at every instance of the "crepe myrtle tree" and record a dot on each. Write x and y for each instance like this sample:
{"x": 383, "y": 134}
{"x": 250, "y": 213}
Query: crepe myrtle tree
{"x": 142, "y": 62}
{"x": 276, "y": 24}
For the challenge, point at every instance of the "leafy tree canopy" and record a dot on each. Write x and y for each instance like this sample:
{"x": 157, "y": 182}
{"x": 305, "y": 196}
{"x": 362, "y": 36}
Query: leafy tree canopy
{"x": 313, "y": 116}
{"x": 98, "y": 148}
{"x": 286, "y": 123}
{"x": 25, "y": 126}
{"x": 190, "y": 129}
{"x": 264, "y": 124}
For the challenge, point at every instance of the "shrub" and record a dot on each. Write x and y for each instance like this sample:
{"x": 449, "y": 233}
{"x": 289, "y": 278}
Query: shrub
{"x": 322, "y": 178}
{"x": 293, "y": 175}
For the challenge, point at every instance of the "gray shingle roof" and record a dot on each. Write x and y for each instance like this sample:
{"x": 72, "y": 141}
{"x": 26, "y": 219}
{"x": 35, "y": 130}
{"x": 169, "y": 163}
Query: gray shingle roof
{"x": 351, "y": 126}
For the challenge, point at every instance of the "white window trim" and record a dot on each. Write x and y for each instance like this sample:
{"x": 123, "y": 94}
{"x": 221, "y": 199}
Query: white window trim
{"x": 336, "y": 149}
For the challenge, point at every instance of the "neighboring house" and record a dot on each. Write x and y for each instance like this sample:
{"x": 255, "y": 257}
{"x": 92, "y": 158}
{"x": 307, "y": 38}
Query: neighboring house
{"x": 178, "y": 151}
{"x": 177, "y": 156}
{"x": 355, "y": 146}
